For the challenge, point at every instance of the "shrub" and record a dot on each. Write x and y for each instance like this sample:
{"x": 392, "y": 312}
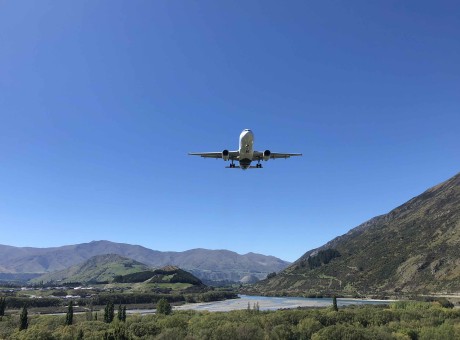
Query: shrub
{"x": 163, "y": 307}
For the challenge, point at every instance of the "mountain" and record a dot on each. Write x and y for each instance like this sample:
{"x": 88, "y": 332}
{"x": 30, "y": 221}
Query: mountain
{"x": 209, "y": 265}
{"x": 100, "y": 268}
{"x": 415, "y": 248}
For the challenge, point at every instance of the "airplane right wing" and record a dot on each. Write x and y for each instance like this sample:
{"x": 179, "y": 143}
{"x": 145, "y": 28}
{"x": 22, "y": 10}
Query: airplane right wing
{"x": 231, "y": 154}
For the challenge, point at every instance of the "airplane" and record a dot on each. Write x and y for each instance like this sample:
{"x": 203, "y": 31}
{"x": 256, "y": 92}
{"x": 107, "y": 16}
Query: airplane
{"x": 245, "y": 154}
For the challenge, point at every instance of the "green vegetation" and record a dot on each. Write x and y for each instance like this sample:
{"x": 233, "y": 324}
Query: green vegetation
{"x": 69, "y": 315}
{"x": 121, "y": 313}
{"x": 164, "y": 307}
{"x": 2, "y": 306}
{"x": 271, "y": 275}
{"x": 134, "y": 277}
{"x": 401, "y": 320}
{"x": 334, "y": 303}
{"x": 23, "y": 319}
{"x": 173, "y": 274}
{"x": 109, "y": 312}
{"x": 97, "y": 269}
{"x": 323, "y": 257}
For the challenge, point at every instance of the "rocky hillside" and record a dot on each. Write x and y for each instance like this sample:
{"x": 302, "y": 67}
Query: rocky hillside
{"x": 415, "y": 248}
{"x": 209, "y": 265}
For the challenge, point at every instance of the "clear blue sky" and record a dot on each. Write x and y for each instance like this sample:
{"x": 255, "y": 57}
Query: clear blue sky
{"x": 100, "y": 101}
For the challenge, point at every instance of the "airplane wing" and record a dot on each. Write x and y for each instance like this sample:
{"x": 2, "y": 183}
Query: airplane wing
{"x": 274, "y": 155}
{"x": 232, "y": 154}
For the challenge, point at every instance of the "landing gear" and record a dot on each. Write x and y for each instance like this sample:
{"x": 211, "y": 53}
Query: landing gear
{"x": 258, "y": 165}
{"x": 232, "y": 165}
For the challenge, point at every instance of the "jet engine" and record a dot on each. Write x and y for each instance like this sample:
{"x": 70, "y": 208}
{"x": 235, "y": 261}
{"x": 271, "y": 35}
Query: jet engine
{"x": 267, "y": 154}
{"x": 225, "y": 155}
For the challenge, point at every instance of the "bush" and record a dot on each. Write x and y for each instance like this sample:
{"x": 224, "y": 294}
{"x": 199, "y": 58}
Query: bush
{"x": 307, "y": 327}
{"x": 143, "y": 329}
{"x": 445, "y": 303}
{"x": 340, "y": 332}
{"x": 163, "y": 307}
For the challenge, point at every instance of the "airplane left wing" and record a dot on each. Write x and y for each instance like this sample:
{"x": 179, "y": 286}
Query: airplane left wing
{"x": 275, "y": 155}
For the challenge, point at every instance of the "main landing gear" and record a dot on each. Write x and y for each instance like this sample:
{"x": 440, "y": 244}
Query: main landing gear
{"x": 232, "y": 165}
{"x": 258, "y": 165}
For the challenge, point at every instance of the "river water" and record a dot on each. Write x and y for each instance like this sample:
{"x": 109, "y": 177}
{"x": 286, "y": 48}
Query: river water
{"x": 272, "y": 303}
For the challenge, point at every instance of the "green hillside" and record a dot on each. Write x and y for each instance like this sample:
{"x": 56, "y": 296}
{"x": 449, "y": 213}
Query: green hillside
{"x": 164, "y": 280}
{"x": 415, "y": 248}
{"x": 101, "y": 268}
{"x": 172, "y": 274}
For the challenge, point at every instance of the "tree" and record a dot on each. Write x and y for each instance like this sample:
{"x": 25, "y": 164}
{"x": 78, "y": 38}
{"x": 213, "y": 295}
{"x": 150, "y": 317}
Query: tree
{"x": 2, "y": 306}
{"x": 23, "y": 319}
{"x": 271, "y": 275}
{"x": 124, "y": 314}
{"x": 89, "y": 315}
{"x": 334, "y": 303}
{"x": 120, "y": 313}
{"x": 163, "y": 307}
{"x": 80, "y": 335}
{"x": 69, "y": 315}
{"x": 109, "y": 312}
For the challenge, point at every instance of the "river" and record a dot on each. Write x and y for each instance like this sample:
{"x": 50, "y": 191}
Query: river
{"x": 264, "y": 303}
{"x": 272, "y": 303}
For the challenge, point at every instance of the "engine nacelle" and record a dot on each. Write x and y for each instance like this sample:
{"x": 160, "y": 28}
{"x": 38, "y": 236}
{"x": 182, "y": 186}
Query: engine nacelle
{"x": 267, "y": 154}
{"x": 225, "y": 155}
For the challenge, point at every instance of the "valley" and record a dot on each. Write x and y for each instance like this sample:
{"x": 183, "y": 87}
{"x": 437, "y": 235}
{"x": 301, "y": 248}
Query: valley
{"x": 408, "y": 258}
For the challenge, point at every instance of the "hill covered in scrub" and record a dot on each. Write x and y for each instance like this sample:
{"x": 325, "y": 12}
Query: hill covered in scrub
{"x": 168, "y": 274}
{"x": 97, "y": 269}
{"x": 415, "y": 248}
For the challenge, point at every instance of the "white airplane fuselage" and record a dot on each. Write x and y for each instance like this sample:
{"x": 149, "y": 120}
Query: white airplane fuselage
{"x": 246, "y": 149}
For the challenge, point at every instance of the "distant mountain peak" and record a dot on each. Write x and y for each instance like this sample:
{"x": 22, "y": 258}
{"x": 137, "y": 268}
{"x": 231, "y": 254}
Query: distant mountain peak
{"x": 170, "y": 268}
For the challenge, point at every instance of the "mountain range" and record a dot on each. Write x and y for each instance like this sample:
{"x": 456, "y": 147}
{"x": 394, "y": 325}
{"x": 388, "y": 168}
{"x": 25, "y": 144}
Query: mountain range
{"x": 208, "y": 265}
{"x": 415, "y": 248}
